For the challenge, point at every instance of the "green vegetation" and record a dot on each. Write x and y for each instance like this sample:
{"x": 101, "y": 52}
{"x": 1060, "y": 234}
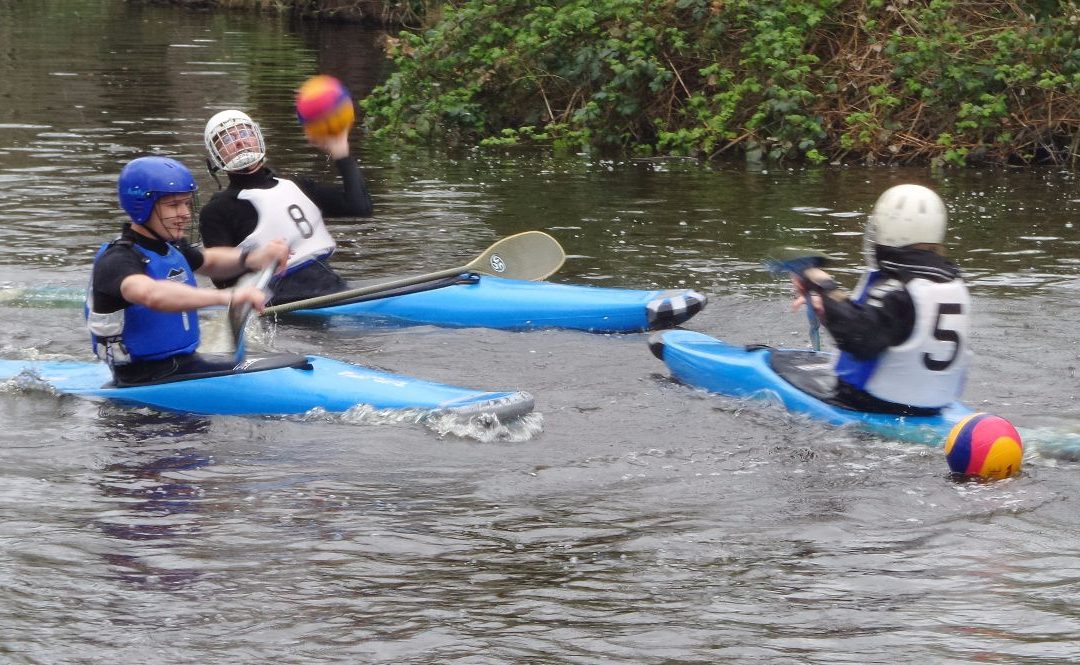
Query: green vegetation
{"x": 940, "y": 81}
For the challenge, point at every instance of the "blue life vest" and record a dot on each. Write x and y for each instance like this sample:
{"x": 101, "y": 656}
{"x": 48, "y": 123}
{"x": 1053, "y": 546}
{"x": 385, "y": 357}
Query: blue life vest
{"x": 137, "y": 333}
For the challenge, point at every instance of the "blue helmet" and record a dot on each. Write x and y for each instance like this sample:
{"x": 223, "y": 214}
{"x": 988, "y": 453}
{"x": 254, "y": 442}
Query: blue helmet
{"x": 145, "y": 180}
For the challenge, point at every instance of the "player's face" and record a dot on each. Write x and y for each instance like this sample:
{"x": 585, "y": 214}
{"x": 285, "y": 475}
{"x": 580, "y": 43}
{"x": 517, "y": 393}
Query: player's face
{"x": 172, "y": 215}
{"x": 237, "y": 140}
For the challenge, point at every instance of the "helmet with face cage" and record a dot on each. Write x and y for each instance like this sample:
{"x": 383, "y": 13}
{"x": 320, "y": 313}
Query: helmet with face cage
{"x": 234, "y": 142}
{"x": 146, "y": 179}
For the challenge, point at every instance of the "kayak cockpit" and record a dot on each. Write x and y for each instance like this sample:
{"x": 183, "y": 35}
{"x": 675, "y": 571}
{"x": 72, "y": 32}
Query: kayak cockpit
{"x": 222, "y": 364}
{"x": 809, "y": 371}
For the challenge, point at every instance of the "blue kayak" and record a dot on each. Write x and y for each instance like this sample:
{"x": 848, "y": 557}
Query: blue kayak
{"x": 493, "y": 302}
{"x": 798, "y": 380}
{"x": 274, "y": 384}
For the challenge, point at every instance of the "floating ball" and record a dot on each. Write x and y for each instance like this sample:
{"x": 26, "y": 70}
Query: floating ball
{"x": 324, "y": 107}
{"x": 984, "y": 445}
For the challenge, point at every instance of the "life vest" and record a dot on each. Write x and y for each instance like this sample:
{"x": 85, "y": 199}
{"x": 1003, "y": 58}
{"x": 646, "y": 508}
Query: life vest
{"x": 286, "y": 212}
{"x": 929, "y": 368}
{"x": 136, "y": 332}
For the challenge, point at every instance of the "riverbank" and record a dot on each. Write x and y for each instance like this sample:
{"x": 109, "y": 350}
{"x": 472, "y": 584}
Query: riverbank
{"x": 950, "y": 82}
{"x": 388, "y": 13}
{"x": 946, "y": 82}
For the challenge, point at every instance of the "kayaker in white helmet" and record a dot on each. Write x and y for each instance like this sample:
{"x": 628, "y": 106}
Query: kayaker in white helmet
{"x": 258, "y": 205}
{"x": 902, "y": 335}
{"x": 142, "y": 300}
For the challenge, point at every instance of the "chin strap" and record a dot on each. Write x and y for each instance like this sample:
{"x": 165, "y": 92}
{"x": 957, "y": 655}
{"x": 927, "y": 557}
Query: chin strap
{"x": 155, "y": 235}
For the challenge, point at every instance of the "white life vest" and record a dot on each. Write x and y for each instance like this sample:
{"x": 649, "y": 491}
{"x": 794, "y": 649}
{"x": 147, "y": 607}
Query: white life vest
{"x": 286, "y": 212}
{"x": 929, "y": 368}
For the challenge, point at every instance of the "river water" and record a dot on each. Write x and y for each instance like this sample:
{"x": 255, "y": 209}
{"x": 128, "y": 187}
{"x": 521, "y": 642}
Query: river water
{"x": 632, "y": 520}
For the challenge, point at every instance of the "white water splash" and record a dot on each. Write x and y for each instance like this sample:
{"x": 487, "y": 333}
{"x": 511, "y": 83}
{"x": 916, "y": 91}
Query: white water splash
{"x": 485, "y": 428}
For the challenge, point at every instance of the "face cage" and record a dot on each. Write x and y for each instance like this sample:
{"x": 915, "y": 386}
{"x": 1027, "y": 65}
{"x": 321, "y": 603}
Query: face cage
{"x": 194, "y": 236}
{"x": 227, "y": 133}
{"x": 192, "y": 233}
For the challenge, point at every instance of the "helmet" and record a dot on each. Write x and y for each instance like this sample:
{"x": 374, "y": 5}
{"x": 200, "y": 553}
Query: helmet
{"x": 222, "y": 131}
{"x": 145, "y": 180}
{"x": 906, "y": 215}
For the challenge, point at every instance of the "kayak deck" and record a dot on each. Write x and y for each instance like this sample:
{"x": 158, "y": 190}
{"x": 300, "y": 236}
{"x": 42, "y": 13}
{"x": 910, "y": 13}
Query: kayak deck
{"x": 508, "y": 304}
{"x": 702, "y": 361}
{"x": 263, "y": 385}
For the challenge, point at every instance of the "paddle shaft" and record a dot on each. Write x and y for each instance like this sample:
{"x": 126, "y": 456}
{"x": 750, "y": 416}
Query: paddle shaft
{"x": 815, "y": 324}
{"x": 309, "y": 303}
{"x": 532, "y": 255}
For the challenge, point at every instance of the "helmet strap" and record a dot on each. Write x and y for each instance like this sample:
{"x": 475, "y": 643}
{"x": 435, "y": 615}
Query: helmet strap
{"x": 213, "y": 171}
{"x": 154, "y": 234}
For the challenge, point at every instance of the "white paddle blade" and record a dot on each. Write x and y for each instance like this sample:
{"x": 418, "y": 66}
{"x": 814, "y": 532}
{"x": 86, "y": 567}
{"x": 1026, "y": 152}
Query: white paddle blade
{"x": 532, "y": 255}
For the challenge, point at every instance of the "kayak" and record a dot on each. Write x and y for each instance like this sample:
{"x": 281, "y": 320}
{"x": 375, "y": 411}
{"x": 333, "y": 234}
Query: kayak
{"x": 798, "y": 380}
{"x": 476, "y": 301}
{"x": 271, "y": 384}
{"x": 482, "y": 301}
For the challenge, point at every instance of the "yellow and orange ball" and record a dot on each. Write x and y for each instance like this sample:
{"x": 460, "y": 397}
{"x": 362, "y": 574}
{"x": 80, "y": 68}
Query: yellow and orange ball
{"x": 324, "y": 107}
{"x": 985, "y": 446}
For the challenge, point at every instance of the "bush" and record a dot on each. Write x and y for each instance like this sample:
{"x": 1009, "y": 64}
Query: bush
{"x": 945, "y": 81}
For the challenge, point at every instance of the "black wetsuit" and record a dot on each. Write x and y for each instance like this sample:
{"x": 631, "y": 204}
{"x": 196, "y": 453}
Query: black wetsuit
{"x": 225, "y": 221}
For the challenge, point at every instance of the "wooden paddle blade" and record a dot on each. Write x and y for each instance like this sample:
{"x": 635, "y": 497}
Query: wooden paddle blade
{"x": 795, "y": 259}
{"x": 532, "y": 255}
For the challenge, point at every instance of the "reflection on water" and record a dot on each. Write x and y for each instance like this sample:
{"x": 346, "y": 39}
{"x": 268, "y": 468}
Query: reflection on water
{"x": 156, "y": 509}
{"x": 642, "y": 523}
{"x": 155, "y": 499}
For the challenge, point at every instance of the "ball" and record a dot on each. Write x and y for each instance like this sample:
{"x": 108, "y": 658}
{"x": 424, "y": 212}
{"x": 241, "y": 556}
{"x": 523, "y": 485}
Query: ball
{"x": 324, "y": 107}
{"x": 984, "y": 445}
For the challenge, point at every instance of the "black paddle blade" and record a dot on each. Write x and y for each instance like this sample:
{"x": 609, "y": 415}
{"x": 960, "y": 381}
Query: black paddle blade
{"x": 794, "y": 259}
{"x": 238, "y": 318}
{"x": 239, "y": 314}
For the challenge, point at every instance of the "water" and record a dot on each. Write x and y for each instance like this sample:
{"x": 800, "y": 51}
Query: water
{"x": 638, "y": 522}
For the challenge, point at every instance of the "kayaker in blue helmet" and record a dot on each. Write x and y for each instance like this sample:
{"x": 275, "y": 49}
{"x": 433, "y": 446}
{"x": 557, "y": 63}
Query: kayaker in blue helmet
{"x": 143, "y": 298}
{"x": 902, "y": 335}
{"x": 258, "y": 205}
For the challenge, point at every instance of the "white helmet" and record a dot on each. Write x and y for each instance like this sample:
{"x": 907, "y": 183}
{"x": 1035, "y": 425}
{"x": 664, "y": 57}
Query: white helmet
{"x": 221, "y": 135}
{"x": 906, "y": 215}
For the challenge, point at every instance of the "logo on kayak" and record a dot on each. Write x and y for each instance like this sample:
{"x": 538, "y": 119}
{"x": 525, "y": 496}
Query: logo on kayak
{"x": 497, "y": 264}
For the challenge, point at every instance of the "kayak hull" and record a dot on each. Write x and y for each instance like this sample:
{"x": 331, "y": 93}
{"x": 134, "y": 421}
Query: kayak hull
{"x": 313, "y": 383}
{"x": 508, "y": 304}
{"x": 702, "y": 361}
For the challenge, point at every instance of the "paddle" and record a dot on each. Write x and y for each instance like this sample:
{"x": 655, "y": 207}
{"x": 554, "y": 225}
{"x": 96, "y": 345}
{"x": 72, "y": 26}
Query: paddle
{"x": 532, "y": 255}
{"x": 795, "y": 260}
{"x": 238, "y": 315}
